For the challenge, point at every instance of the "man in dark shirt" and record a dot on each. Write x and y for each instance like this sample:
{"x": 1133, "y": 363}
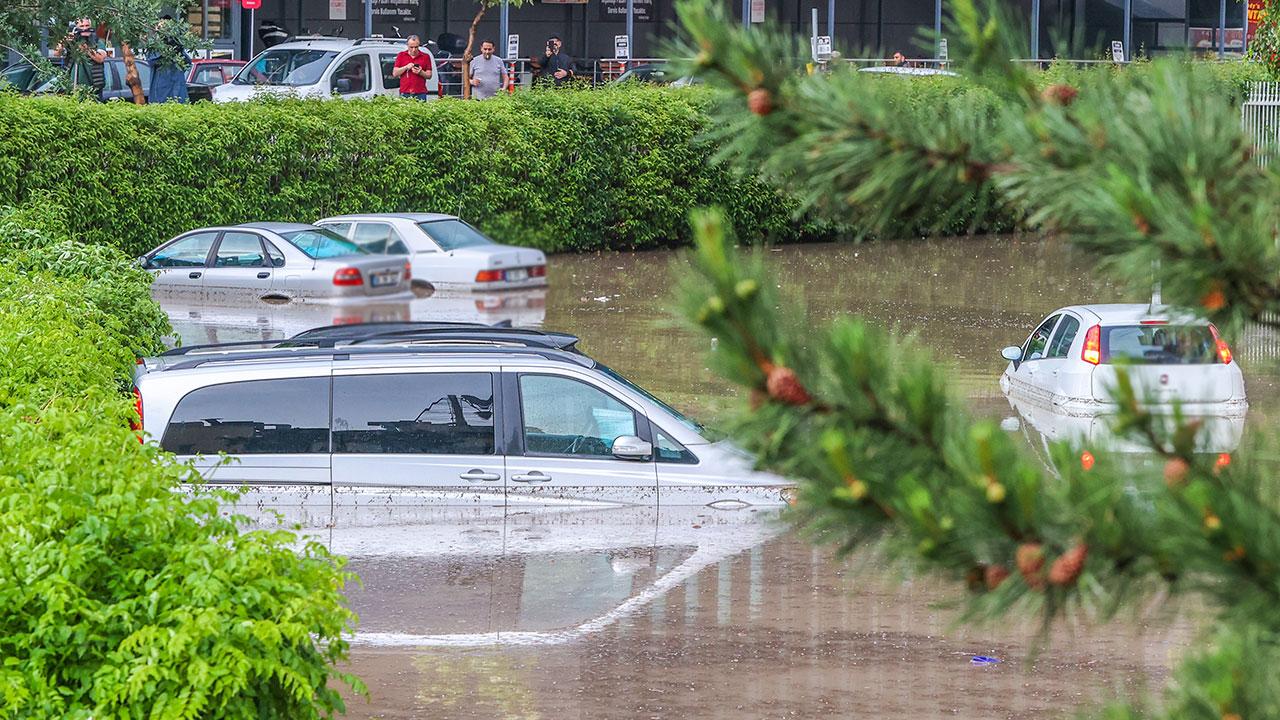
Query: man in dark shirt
{"x": 557, "y": 66}
{"x": 413, "y": 67}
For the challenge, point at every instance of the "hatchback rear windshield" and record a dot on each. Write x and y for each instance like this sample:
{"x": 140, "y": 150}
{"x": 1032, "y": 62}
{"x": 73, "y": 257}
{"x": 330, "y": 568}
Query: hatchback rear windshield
{"x": 454, "y": 234}
{"x": 319, "y": 243}
{"x": 1159, "y": 345}
{"x": 288, "y": 68}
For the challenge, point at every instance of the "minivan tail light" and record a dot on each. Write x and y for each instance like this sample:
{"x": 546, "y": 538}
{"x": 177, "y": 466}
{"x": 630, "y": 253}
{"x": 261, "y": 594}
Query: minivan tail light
{"x": 408, "y": 271}
{"x": 348, "y": 276}
{"x": 1224, "y": 352}
{"x": 489, "y": 276}
{"x": 135, "y": 424}
{"x": 538, "y": 271}
{"x": 1092, "y": 353}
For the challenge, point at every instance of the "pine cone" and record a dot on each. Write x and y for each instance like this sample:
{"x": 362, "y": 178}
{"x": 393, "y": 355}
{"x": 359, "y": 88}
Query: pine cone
{"x": 1059, "y": 94}
{"x": 760, "y": 101}
{"x": 1030, "y": 561}
{"x": 784, "y": 386}
{"x": 1067, "y": 567}
{"x": 1175, "y": 471}
{"x": 995, "y": 575}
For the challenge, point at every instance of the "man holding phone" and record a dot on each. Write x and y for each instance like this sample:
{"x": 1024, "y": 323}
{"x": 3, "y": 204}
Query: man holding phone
{"x": 557, "y": 67}
{"x": 413, "y": 67}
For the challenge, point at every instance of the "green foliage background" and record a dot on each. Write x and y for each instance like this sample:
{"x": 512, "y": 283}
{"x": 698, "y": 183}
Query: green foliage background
{"x": 120, "y": 597}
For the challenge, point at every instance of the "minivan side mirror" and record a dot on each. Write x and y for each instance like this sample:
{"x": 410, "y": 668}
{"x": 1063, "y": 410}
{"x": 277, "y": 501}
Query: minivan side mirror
{"x": 342, "y": 86}
{"x": 630, "y": 447}
{"x": 1013, "y": 353}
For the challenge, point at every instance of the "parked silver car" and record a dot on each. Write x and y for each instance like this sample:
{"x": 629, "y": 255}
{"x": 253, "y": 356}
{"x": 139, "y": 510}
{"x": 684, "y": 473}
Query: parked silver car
{"x": 434, "y": 413}
{"x": 447, "y": 252}
{"x": 267, "y": 260}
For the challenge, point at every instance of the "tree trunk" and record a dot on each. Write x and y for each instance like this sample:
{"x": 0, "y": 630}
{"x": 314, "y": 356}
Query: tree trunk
{"x": 466, "y": 54}
{"x": 131, "y": 75}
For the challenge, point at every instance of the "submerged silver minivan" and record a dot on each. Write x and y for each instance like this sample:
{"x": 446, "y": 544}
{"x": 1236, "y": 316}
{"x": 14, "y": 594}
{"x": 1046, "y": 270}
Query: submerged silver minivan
{"x": 433, "y": 413}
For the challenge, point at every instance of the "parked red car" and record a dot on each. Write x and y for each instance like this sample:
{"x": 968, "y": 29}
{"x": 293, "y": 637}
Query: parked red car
{"x": 205, "y": 74}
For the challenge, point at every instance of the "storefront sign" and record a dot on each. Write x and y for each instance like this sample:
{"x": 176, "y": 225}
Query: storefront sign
{"x": 616, "y": 10}
{"x": 337, "y": 9}
{"x": 405, "y": 11}
{"x": 1255, "y": 16}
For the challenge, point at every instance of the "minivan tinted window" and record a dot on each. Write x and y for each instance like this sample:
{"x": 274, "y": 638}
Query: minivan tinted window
{"x": 252, "y": 418}
{"x": 419, "y": 413}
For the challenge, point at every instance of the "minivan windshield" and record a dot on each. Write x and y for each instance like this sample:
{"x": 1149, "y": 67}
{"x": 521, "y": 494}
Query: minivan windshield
{"x": 680, "y": 417}
{"x": 1159, "y": 345}
{"x": 454, "y": 234}
{"x": 286, "y": 68}
{"x": 319, "y": 243}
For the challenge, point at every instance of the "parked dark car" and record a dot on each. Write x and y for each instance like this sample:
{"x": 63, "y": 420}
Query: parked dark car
{"x": 20, "y": 76}
{"x": 113, "y": 74}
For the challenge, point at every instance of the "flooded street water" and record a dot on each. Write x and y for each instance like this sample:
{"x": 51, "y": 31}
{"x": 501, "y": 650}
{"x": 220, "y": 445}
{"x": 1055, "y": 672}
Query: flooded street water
{"x": 695, "y": 612}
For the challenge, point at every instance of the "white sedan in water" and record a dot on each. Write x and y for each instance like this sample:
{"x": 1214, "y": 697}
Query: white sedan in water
{"x": 1068, "y": 364}
{"x": 446, "y": 252}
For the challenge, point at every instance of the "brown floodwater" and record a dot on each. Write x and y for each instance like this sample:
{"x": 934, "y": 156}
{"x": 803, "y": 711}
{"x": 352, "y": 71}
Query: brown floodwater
{"x": 641, "y": 613}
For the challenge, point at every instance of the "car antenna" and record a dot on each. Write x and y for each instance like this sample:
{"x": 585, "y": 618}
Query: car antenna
{"x": 1156, "y": 300}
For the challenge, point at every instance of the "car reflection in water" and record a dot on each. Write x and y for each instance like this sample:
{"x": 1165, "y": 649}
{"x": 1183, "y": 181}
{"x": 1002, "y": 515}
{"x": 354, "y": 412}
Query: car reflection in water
{"x": 483, "y": 576}
{"x": 1220, "y": 433}
{"x": 197, "y": 322}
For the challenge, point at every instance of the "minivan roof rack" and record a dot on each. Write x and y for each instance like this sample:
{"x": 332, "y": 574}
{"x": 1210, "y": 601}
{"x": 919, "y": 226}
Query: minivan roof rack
{"x": 372, "y": 39}
{"x": 347, "y": 336}
{"x": 346, "y": 352}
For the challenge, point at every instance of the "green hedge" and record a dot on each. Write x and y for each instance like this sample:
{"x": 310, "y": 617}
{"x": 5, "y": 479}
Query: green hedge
{"x": 120, "y": 597}
{"x": 555, "y": 170}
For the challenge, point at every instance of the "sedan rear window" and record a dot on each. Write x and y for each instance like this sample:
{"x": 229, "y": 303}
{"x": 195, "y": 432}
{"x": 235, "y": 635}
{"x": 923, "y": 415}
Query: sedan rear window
{"x": 319, "y": 243}
{"x": 1159, "y": 345}
{"x": 454, "y": 234}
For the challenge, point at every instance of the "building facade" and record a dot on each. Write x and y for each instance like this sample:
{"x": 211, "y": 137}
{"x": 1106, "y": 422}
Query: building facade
{"x": 1080, "y": 29}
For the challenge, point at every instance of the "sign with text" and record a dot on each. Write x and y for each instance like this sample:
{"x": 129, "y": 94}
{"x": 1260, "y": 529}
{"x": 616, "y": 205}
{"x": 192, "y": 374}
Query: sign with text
{"x": 942, "y": 49}
{"x": 621, "y": 47}
{"x": 1256, "y": 8}
{"x": 757, "y": 11}
{"x": 250, "y": 4}
{"x": 513, "y": 47}
{"x": 405, "y": 11}
{"x": 616, "y": 10}
{"x": 337, "y": 9}
{"x": 1117, "y": 51}
{"x": 822, "y": 48}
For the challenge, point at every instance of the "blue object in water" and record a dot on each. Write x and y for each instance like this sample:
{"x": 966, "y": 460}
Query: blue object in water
{"x": 984, "y": 660}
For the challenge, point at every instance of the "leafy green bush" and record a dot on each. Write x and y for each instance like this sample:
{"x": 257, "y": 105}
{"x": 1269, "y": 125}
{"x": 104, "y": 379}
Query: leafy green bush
{"x": 120, "y": 597}
{"x": 612, "y": 168}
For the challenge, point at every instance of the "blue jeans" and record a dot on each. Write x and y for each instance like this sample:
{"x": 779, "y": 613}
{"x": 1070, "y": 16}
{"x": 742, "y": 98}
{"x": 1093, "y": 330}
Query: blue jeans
{"x": 416, "y": 96}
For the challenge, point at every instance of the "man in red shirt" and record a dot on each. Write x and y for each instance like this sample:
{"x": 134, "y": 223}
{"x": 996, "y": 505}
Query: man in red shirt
{"x": 413, "y": 67}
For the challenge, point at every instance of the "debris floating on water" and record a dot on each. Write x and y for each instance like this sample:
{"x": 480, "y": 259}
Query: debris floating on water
{"x": 984, "y": 660}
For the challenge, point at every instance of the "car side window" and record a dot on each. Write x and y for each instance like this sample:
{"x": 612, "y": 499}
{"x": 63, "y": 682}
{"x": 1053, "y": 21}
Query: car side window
{"x": 190, "y": 251}
{"x": 343, "y": 229}
{"x": 208, "y": 75}
{"x": 377, "y": 237}
{"x": 420, "y": 413}
{"x": 274, "y": 254}
{"x": 388, "y": 63}
{"x": 1060, "y": 345}
{"x": 1039, "y": 340}
{"x": 240, "y": 250}
{"x": 563, "y": 416}
{"x": 670, "y": 451}
{"x": 284, "y": 416}
{"x": 355, "y": 71}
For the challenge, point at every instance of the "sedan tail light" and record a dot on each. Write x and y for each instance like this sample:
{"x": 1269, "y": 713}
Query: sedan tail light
{"x": 538, "y": 271}
{"x": 489, "y": 276}
{"x": 1092, "y": 352}
{"x": 1224, "y": 352}
{"x": 348, "y": 276}
{"x": 135, "y": 424}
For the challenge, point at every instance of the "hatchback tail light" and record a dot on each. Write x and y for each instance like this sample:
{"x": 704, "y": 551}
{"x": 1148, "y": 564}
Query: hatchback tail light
{"x": 538, "y": 271}
{"x": 1224, "y": 352}
{"x": 348, "y": 276}
{"x": 135, "y": 424}
{"x": 489, "y": 276}
{"x": 1092, "y": 352}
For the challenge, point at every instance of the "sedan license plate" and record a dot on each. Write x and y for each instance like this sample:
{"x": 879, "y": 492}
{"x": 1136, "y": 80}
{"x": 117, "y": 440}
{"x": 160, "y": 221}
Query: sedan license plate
{"x": 382, "y": 279}
{"x": 516, "y": 275}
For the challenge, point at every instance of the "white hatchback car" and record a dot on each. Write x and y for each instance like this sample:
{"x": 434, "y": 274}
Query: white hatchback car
{"x": 446, "y": 252}
{"x": 1068, "y": 364}
{"x": 322, "y": 67}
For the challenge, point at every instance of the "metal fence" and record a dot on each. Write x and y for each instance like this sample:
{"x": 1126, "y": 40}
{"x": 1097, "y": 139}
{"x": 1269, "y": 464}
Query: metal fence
{"x": 1260, "y": 119}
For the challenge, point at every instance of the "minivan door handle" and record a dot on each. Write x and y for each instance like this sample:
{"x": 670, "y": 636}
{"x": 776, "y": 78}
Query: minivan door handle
{"x": 477, "y": 474}
{"x": 533, "y": 477}
{"x": 264, "y": 275}
{"x": 194, "y": 276}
